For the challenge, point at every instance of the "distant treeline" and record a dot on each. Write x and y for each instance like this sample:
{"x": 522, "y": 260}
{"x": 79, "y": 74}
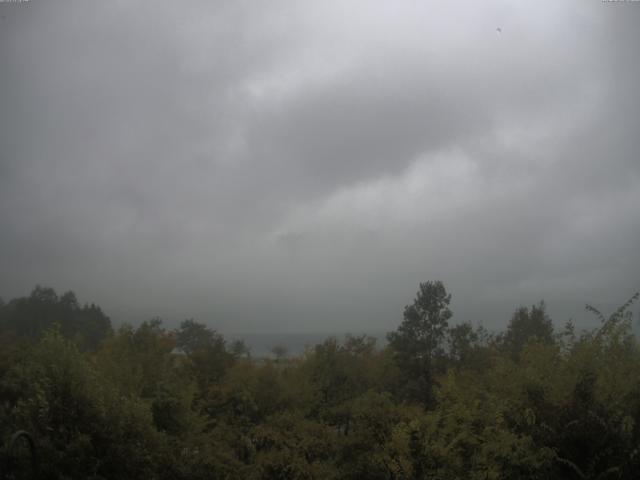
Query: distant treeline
{"x": 439, "y": 401}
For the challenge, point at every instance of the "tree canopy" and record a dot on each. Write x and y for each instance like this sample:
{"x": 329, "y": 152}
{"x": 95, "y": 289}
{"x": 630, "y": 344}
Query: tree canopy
{"x": 151, "y": 402}
{"x": 419, "y": 342}
{"x": 31, "y": 316}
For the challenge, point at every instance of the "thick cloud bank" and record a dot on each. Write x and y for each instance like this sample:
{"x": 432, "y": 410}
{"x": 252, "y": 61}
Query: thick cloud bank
{"x": 301, "y": 166}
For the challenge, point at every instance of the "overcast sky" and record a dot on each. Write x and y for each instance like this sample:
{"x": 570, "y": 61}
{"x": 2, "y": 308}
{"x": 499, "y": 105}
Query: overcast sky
{"x": 303, "y": 165}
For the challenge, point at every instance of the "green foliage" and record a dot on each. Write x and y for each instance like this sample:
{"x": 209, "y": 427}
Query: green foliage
{"x": 419, "y": 341}
{"x": 527, "y": 324}
{"x": 84, "y": 427}
{"x": 179, "y": 404}
{"x": 289, "y": 446}
{"x": 208, "y": 358}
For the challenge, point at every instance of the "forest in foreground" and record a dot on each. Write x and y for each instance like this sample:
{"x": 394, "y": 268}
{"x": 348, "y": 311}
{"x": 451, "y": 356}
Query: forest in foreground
{"x": 442, "y": 400}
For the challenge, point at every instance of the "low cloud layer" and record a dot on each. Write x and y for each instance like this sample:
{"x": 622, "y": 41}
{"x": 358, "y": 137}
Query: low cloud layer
{"x": 301, "y": 166}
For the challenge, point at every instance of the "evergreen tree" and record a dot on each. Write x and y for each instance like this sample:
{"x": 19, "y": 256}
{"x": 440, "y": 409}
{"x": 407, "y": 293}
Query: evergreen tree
{"x": 418, "y": 343}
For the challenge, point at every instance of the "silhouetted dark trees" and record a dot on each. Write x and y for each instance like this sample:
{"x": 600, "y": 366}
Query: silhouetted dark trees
{"x": 419, "y": 342}
{"x": 525, "y": 325}
{"x": 31, "y": 316}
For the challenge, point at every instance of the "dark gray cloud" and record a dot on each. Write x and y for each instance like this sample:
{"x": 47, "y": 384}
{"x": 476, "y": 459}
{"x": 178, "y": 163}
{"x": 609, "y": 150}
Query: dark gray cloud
{"x": 303, "y": 165}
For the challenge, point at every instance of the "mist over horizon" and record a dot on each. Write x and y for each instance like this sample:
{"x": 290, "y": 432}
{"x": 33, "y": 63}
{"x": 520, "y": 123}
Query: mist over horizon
{"x": 300, "y": 167}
